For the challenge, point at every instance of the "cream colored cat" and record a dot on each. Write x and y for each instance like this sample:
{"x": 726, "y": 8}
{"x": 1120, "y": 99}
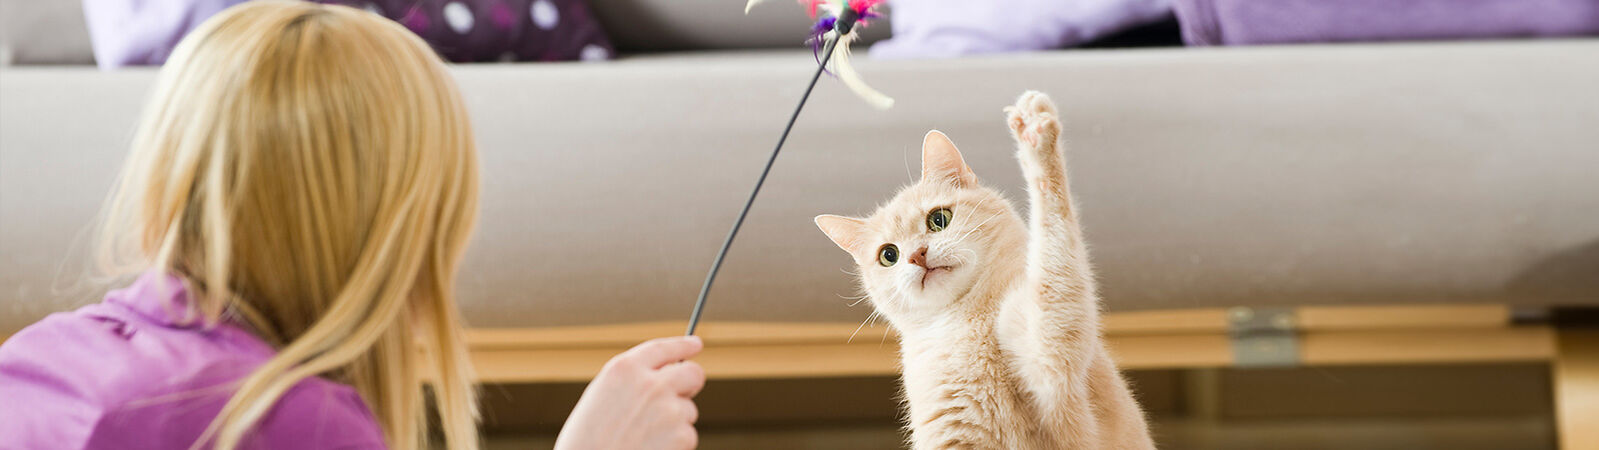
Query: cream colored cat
{"x": 998, "y": 318}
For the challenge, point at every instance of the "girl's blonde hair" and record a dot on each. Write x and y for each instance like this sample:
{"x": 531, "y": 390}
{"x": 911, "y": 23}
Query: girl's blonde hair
{"x": 309, "y": 171}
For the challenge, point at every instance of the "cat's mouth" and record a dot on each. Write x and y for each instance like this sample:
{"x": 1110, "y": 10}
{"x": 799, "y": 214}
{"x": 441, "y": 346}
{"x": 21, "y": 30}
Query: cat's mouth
{"x": 935, "y": 272}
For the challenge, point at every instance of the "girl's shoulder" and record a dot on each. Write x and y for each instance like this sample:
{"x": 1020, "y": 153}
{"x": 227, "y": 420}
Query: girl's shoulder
{"x": 107, "y": 376}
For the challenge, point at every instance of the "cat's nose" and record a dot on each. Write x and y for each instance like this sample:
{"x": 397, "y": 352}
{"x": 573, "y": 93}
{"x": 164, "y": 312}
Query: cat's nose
{"x": 920, "y": 257}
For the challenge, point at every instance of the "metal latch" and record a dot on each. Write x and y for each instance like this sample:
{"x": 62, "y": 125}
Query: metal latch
{"x": 1263, "y": 337}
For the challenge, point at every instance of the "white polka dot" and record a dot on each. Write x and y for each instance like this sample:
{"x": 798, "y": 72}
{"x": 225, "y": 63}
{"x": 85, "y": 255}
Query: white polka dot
{"x": 544, "y": 14}
{"x": 458, "y": 16}
{"x": 594, "y": 52}
{"x": 373, "y": 8}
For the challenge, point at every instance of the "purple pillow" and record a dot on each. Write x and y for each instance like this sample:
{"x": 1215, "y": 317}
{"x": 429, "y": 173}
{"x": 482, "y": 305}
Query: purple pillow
{"x": 143, "y": 32}
{"x": 499, "y": 30}
{"x": 1234, "y": 22}
{"x": 948, "y": 28}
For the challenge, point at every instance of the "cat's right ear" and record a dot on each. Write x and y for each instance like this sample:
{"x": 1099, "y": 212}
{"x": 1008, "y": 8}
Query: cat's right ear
{"x": 942, "y": 161}
{"x": 844, "y": 231}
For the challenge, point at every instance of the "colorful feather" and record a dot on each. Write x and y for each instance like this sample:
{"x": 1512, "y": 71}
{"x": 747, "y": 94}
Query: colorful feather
{"x": 846, "y": 73}
{"x": 862, "y": 6}
{"x": 827, "y": 12}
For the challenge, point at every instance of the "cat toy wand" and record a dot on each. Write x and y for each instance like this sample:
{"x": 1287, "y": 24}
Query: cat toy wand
{"x": 826, "y": 36}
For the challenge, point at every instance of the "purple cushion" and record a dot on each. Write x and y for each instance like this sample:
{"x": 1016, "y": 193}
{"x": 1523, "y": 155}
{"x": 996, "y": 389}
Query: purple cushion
{"x": 499, "y": 30}
{"x": 141, "y": 32}
{"x": 946, "y": 28}
{"x": 1236, "y": 22}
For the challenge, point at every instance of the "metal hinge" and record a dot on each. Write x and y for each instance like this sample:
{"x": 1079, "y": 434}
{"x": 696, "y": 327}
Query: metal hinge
{"x": 1263, "y": 337}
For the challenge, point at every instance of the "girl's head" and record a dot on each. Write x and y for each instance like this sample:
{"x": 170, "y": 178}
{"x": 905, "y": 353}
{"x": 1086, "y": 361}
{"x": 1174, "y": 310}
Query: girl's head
{"x": 309, "y": 171}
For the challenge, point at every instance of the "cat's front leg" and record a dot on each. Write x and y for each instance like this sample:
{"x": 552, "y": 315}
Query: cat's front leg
{"x": 1054, "y": 318}
{"x": 1057, "y": 262}
{"x": 1035, "y": 124}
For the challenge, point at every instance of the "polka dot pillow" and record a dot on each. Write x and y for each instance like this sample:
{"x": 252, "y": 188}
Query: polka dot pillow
{"x": 499, "y": 30}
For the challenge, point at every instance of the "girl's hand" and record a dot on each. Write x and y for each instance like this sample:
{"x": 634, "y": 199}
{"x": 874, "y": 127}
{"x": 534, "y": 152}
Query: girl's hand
{"x": 642, "y": 399}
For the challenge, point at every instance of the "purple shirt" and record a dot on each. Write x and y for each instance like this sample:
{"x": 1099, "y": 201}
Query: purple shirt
{"x": 127, "y": 373}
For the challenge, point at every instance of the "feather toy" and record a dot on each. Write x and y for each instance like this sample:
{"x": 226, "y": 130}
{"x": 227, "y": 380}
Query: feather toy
{"x": 827, "y": 14}
{"x": 837, "y": 21}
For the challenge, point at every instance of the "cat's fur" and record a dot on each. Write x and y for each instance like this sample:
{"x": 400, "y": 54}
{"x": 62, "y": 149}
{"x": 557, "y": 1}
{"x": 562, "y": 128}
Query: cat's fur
{"x": 1000, "y": 339}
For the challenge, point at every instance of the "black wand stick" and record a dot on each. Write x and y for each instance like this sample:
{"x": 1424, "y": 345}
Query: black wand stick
{"x": 845, "y": 22}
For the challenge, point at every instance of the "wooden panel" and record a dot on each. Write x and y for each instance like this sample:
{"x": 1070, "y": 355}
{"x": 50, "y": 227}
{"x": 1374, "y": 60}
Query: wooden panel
{"x": 1509, "y": 344}
{"x": 1331, "y": 318}
{"x": 1170, "y": 351}
{"x": 1424, "y": 390}
{"x": 1453, "y": 433}
{"x": 818, "y": 360}
{"x": 1173, "y": 321}
{"x": 1169, "y": 322}
{"x": 726, "y": 362}
{"x": 1131, "y": 352}
{"x": 1576, "y": 383}
{"x": 629, "y": 334}
{"x": 1447, "y": 432}
{"x": 540, "y": 366}
{"x": 1139, "y": 340}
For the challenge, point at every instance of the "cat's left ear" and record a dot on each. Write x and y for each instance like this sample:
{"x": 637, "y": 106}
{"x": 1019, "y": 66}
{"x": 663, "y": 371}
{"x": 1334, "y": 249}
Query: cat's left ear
{"x": 942, "y": 161}
{"x": 844, "y": 231}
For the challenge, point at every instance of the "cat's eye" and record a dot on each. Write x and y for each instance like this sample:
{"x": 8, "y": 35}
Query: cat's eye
{"x": 888, "y": 255}
{"x": 939, "y": 219}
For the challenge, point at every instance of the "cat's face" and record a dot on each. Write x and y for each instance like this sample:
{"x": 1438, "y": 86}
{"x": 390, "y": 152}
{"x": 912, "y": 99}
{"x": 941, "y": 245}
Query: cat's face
{"x": 925, "y": 250}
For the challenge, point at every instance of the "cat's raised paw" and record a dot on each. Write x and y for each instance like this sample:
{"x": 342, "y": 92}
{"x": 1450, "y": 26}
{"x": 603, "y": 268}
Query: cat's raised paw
{"x": 1033, "y": 120}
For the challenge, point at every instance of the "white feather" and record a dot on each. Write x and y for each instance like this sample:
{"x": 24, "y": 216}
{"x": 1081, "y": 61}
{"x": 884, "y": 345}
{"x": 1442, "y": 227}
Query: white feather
{"x": 852, "y": 80}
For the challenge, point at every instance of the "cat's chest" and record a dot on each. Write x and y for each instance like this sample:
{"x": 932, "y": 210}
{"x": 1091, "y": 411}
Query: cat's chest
{"x": 972, "y": 376}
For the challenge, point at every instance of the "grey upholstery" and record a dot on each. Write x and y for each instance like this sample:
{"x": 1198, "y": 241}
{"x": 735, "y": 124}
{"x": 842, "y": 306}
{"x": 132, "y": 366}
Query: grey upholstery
{"x": 1207, "y": 177}
{"x": 43, "y": 32}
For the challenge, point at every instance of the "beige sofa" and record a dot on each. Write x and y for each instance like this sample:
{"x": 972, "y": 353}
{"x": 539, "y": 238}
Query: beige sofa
{"x": 1399, "y": 203}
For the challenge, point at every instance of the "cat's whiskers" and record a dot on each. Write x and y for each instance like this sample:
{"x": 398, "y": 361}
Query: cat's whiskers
{"x": 974, "y": 229}
{"x": 960, "y": 255}
{"x": 906, "y": 157}
{"x": 909, "y": 279}
{"x": 943, "y": 246}
{"x": 900, "y": 296}
{"x": 978, "y": 206}
{"x": 947, "y": 248}
{"x": 869, "y": 317}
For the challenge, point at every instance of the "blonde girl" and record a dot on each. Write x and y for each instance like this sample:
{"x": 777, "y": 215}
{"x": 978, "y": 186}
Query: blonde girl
{"x": 297, "y": 201}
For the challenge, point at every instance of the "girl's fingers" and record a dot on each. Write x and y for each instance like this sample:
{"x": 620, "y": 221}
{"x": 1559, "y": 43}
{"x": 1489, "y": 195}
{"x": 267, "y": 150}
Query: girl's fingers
{"x": 690, "y": 411}
{"x": 656, "y": 353}
{"x": 685, "y": 378}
